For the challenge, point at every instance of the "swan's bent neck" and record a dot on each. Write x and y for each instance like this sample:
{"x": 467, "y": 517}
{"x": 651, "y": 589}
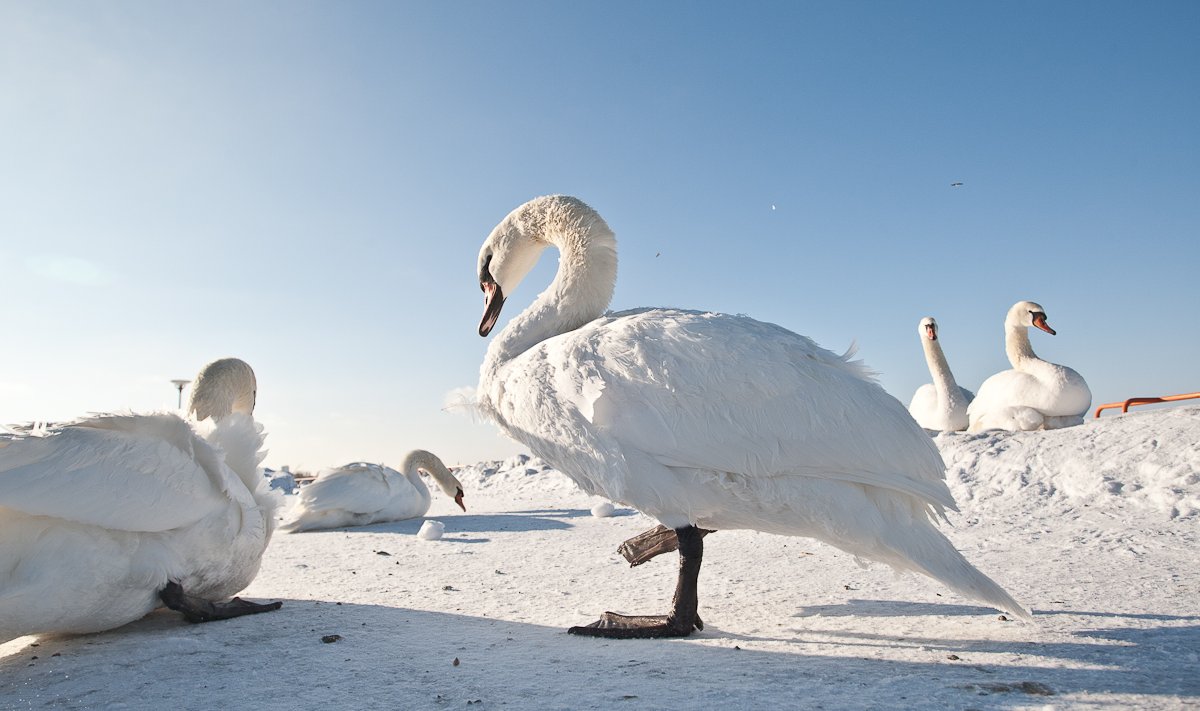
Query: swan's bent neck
{"x": 583, "y": 287}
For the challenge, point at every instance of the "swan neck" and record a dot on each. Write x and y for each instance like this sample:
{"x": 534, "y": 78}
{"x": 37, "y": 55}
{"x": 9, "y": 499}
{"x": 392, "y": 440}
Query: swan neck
{"x": 419, "y": 461}
{"x": 583, "y": 286}
{"x": 1017, "y": 346}
{"x": 939, "y": 369}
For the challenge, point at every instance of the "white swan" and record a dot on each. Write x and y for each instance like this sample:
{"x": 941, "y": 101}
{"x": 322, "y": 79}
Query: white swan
{"x": 703, "y": 419}
{"x": 1035, "y": 394}
{"x": 361, "y": 493}
{"x": 942, "y": 404}
{"x": 106, "y": 518}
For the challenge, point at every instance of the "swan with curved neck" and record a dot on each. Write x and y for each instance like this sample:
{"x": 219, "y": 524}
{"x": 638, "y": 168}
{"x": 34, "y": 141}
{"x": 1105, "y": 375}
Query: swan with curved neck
{"x": 108, "y": 517}
{"x": 942, "y": 404}
{"x": 1035, "y": 394}
{"x": 361, "y": 493}
{"x": 703, "y": 420}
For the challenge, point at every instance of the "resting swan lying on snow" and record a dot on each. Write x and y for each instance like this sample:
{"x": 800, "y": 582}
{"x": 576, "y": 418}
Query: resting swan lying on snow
{"x": 942, "y": 404}
{"x": 361, "y": 493}
{"x": 703, "y": 420}
{"x": 106, "y": 518}
{"x": 1035, "y": 394}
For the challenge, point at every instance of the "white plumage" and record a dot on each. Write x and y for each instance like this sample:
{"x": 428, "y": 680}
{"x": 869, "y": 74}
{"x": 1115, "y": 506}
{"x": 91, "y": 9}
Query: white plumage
{"x": 1035, "y": 394}
{"x": 98, "y": 516}
{"x": 361, "y": 493}
{"x": 942, "y": 404}
{"x": 705, "y": 419}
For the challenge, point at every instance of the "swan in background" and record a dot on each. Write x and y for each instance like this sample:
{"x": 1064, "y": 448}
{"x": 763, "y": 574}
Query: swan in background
{"x": 942, "y": 404}
{"x": 362, "y": 493}
{"x": 1035, "y": 394}
{"x": 703, "y": 420}
{"x": 104, "y": 519}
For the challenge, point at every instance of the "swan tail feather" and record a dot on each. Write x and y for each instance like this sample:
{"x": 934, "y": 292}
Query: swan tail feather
{"x": 932, "y": 554}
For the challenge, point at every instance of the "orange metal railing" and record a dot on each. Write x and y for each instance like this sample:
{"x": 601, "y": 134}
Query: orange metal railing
{"x": 1144, "y": 401}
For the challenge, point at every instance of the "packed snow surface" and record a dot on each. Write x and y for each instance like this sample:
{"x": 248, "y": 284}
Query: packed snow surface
{"x": 1093, "y": 527}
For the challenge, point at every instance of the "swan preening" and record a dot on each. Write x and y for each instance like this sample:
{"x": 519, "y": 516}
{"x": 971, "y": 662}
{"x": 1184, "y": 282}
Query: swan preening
{"x": 104, "y": 519}
{"x": 361, "y": 493}
{"x": 942, "y": 404}
{"x": 1035, "y": 394}
{"x": 704, "y": 420}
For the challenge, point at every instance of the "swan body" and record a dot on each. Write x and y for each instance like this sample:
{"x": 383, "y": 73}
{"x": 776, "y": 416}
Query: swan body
{"x": 361, "y": 493}
{"x": 705, "y": 420}
{"x": 942, "y": 404}
{"x": 1034, "y": 394}
{"x": 98, "y": 516}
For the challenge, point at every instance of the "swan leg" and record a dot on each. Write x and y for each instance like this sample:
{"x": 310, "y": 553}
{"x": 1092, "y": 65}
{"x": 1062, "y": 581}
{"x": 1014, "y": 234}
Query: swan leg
{"x": 196, "y": 610}
{"x": 683, "y": 617}
{"x": 652, "y": 543}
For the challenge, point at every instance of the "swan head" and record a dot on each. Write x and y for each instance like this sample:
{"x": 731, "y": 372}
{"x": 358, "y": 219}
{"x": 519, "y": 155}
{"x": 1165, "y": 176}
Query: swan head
{"x": 506, "y": 257}
{"x": 419, "y": 460}
{"x": 223, "y": 387}
{"x": 928, "y": 328}
{"x": 1026, "y": 314}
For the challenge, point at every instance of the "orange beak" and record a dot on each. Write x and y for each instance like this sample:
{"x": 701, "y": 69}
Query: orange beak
{"x": 458, "y": 500}
{"x": 1039, "y": 320}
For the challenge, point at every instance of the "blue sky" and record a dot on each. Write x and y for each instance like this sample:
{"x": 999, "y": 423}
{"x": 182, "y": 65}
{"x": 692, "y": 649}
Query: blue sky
{"x": 306, "y": 186}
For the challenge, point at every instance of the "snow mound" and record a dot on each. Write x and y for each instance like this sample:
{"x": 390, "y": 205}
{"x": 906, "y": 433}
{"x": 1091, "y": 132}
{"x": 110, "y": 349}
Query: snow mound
{"x": 1145, "y": 462}
{"x": 431, "y": 531}
{"x": 603, "y": 510}
{"x": 520, "y": 475}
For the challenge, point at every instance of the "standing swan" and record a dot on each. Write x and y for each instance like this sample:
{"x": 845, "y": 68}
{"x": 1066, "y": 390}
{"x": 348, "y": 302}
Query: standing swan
{"x": 703, "y": 419}
{"x": 361, "y": 493}
{"x": 942, "y": 404}
{"x": 104, "y": 519}
{"x": 1035, "y": 394}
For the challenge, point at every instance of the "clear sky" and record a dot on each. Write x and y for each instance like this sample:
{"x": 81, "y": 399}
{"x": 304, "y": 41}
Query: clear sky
{"x": 305, "y": 185}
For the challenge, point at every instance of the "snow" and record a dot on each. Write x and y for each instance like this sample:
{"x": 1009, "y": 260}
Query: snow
{"x": 1094, "y": 527}
{"x": 431, "y": 531}
{"x": 603, "y": 509}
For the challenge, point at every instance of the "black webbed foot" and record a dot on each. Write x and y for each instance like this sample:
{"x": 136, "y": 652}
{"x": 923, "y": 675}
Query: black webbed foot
{"x": 195, "y": 609}
{"x": 614, "y": 626}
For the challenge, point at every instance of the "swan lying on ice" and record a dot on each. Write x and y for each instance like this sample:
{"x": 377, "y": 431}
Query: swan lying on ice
{"x": 362, "y": 493}
{"x": 703, "y": 420}
{"x": 104, "y": 519}
{"x": 942, "y": 404}
{"x": 1035, "y": 394}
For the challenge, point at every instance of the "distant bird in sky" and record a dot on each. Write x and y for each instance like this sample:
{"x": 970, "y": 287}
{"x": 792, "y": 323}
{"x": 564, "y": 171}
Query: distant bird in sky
{"x": 955, "y": 185}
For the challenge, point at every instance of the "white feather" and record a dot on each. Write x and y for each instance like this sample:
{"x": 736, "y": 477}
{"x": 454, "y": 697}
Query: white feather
{"x": 361, "y": 493}
{"x": 708, "y": 419}
{"x": 1035, "y": 394}
{"x": 96, "y": 516}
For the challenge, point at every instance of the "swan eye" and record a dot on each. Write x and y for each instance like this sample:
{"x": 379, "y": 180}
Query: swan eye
{"x": 485, "y": 274}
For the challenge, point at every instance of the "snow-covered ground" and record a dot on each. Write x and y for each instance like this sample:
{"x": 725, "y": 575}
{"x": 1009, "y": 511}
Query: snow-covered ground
{"x": 1094, "y": 528}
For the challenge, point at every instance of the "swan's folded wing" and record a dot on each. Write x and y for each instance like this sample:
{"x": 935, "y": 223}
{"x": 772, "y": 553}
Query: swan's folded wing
{"x": 358, "y": 489}
{"x": 124, "y": 477}
{"x": 731, "y": 394}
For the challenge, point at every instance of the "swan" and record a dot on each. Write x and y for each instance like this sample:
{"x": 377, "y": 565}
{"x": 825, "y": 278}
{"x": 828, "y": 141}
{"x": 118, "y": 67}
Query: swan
{"x": 106, "y": 518}
{"x": 361, "y": 493}
{"x": 1035, "y": 394}
{"x": 703, "y": 420}
{"x": 942, "y": 404}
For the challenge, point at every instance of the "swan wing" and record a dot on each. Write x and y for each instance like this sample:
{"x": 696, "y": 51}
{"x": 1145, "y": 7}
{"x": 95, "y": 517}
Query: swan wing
{"x": 121, "y": 472}
{"x": 729, "y": 394}
{"x": 358, "y": 488}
